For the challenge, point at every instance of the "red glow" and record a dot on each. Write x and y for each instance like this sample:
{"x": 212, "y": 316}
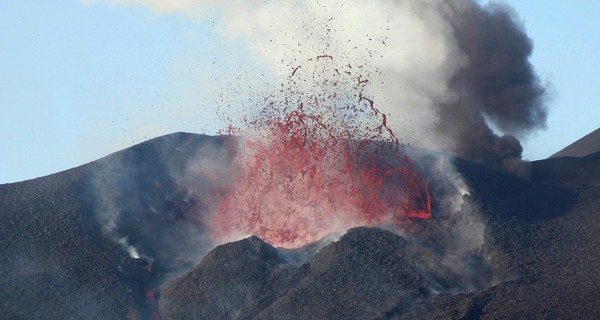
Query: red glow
{"x": 309, "y": 170}
{"x": 152, "y": 298}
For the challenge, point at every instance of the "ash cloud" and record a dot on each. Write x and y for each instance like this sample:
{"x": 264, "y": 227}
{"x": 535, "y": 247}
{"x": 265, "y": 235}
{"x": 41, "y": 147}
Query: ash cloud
{"x": 447, "y": 72}
{"x": 498, "y": 85}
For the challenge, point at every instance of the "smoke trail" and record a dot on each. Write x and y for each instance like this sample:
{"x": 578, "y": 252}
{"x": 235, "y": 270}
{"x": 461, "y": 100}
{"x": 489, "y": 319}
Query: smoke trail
{"x": 150, "y": 198}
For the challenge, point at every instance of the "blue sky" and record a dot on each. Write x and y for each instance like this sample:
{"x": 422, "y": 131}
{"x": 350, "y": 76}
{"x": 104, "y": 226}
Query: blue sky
{"x": 565, "y": 46}
{"x": 80, "y": 81}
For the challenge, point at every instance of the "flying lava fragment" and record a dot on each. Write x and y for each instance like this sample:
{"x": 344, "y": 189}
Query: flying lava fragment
{"x": 315, "y": 164}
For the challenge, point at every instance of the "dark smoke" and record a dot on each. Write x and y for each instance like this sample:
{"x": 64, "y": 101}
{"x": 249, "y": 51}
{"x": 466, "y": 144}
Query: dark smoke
{"x": 446, "y": 71}
{"x": 498, "y": 85}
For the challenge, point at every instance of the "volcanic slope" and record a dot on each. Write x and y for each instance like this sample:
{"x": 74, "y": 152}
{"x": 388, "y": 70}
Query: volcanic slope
{"x": 58, "y": 258}
{"x": 367, "y": 273}
{"x": 582, "y": 147}
{"x": 547, "y": 230}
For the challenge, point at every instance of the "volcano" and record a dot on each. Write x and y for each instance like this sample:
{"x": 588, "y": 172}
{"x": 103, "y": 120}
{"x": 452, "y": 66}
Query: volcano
{"x": 585, "y": 146}
{"x": 124, "y": 237}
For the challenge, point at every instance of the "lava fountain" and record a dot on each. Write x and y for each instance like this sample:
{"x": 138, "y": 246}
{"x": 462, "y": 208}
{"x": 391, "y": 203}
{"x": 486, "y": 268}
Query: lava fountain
{"x": 313, "y": 164}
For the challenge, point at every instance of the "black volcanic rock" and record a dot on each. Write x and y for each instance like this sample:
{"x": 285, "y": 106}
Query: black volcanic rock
{"x": 230, "y": 281}
{"x": 368, "y": 273}
{"x": 585, "y": 146}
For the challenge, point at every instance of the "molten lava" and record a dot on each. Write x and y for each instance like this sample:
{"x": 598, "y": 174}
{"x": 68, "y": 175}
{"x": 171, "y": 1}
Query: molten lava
{"x": 153, "y": 299}
{"x": 310, "y": 169}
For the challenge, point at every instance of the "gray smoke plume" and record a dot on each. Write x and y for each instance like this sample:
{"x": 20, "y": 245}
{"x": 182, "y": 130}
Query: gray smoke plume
{"x": 498, "y": 85}
{"x": 446, "y": 72}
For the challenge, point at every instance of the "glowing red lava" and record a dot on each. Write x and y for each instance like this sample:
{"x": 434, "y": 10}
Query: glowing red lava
{"x": 153, "y": 299}
{"x": 307, "y": 170}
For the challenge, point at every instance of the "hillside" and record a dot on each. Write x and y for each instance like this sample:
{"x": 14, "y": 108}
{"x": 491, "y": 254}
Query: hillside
{"x": 93, "y": 241}
{"x": 585, "y": 146}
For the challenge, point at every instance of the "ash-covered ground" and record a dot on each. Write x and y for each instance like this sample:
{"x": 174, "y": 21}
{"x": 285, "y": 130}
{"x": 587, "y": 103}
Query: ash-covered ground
{"x": 119, "y": 238}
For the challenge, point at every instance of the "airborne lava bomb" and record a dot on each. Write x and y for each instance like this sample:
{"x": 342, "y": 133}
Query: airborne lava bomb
{"x": 318, "y": 163}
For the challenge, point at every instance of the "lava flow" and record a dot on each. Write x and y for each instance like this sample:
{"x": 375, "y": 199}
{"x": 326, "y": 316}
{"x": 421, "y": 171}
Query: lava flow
{"x": 152, "y": 297}
{"x": 316, "y": 165}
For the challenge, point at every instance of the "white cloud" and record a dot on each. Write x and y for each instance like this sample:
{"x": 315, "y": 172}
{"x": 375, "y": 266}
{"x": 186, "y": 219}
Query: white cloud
{"x": 158, "y": 6}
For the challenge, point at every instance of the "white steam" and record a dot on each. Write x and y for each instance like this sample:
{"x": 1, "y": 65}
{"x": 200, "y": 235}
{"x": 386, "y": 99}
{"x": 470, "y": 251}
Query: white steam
{"x": 426, "y": 58}
{"x": 109, "y": 211}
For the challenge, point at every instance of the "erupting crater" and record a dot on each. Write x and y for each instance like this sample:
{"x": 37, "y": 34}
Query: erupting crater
{"x": 318, "y": 163}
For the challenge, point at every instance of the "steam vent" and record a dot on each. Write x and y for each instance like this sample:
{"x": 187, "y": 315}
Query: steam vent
{"x": 134, "y": 236}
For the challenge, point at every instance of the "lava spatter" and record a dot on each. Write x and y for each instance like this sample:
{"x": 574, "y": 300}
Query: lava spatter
{"x": 316, "y": 163}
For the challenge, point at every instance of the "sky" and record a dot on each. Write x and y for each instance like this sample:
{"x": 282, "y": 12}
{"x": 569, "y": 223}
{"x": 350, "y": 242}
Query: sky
{"x": 82, "y": 79}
